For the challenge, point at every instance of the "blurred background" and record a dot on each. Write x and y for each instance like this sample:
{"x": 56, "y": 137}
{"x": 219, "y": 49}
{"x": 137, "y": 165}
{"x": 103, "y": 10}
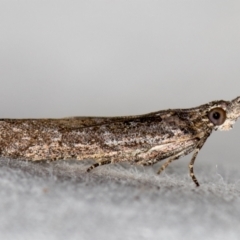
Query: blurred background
{"x": 61, "y": 58}
{"x": 107, "y": 58}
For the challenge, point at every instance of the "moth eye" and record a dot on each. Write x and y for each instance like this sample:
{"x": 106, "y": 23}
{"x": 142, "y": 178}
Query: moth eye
{"x": 217, "y": 116}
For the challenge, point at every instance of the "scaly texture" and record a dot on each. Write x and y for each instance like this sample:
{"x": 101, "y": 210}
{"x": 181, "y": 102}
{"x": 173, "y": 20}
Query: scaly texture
{"x": 144, "y": 139}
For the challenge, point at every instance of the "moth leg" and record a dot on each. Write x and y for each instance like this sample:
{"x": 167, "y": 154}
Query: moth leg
{"x": 156, "y": 159}
{"x": 191, "y": 167}
{"x": 175, "y": 157}
{"x": 150, "y": 162}
{"x": 196, "y": 151}
{"x": 165, "y": 165}
{"x": 100, "y": 163}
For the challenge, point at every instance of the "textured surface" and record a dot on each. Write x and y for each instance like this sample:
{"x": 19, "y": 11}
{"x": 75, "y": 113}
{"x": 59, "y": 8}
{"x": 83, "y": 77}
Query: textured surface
{"x": 59, "y": 201}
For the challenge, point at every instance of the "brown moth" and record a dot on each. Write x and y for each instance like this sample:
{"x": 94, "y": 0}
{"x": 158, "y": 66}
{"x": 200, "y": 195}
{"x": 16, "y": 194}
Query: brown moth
{"x": 142, "y": 139}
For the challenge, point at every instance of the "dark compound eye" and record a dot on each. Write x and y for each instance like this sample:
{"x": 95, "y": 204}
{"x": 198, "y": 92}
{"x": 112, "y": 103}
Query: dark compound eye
{"x": 217, "y": 116}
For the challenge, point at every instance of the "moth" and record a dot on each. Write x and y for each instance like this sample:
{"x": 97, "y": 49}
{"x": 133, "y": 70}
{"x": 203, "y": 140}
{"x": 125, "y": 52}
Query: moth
{"x": 141, "y": 139}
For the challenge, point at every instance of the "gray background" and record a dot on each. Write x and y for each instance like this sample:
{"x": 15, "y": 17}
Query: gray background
{"x": 67, "y": 58}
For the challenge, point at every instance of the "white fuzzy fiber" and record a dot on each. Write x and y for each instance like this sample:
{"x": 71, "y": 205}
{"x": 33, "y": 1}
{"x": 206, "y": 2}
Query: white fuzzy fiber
{"x": 60, "y": 201}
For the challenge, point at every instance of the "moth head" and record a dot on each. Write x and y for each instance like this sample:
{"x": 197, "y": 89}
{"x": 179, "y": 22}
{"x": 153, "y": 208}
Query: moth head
{"x": 223, "y": 114}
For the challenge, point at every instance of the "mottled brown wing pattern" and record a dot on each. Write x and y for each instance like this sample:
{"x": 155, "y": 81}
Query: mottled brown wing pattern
{"x": 142, "y": 139}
